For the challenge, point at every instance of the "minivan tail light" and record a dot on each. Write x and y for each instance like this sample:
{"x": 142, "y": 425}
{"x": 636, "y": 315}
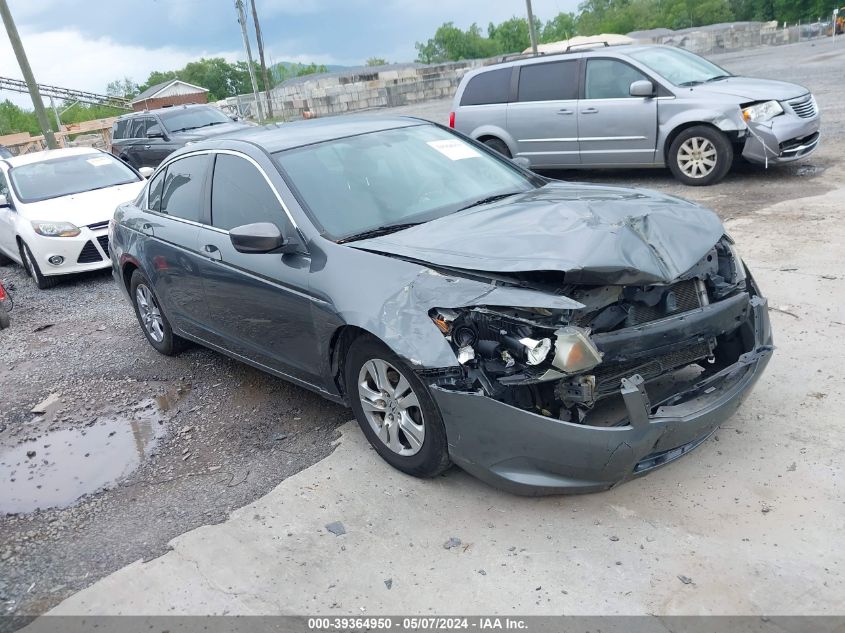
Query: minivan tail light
{"x": 452, "y": 120}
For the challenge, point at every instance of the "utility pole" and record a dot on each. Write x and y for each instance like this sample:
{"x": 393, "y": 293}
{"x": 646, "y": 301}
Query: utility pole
{"x": 260, "y": 41}
{"x": 531, "y": 31}
{"x": 26, "y": 71}
{"x": 239, "y": 5}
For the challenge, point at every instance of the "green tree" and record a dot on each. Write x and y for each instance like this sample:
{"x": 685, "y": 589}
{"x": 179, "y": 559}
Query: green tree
{"x": 560, "y": 27}
{"x": 376, "y": 61}
{"x": 451, "y": 44}
{"x": 125, "y": 88}
{"x": 14, "y": 119}
{"x": 511, "y": 36}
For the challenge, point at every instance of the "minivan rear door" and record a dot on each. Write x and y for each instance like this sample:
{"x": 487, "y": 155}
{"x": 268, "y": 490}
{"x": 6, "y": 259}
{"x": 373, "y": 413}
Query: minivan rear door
{"x": 615, "y": 128}
{"x": 543, "y": 117}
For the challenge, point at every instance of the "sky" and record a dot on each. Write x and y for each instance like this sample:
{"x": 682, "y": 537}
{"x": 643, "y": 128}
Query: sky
{"x": 85, "y": 44}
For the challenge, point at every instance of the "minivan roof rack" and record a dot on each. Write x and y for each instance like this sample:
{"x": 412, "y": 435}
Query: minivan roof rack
{"x": 571, "y": 46}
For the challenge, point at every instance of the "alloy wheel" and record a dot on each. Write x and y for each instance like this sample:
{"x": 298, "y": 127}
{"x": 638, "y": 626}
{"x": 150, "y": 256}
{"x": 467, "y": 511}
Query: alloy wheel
{"x": 391, "y": 407}
{"x": 150, "y": 314}
{"x": 697, "y": 157}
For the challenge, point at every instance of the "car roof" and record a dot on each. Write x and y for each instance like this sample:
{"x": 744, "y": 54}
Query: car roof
{"x": 578, "y": 51}
{"x": 37, "y": 157}
{"x": 185, "y": 106}
{"x": 277, "y": 137}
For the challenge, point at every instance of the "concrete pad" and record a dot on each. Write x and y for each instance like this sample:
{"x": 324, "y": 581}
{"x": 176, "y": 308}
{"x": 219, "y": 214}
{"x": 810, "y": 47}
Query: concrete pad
{"x": 752, "y": 519}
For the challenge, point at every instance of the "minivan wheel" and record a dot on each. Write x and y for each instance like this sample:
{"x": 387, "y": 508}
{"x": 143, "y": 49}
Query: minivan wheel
{"x": 154, "y": 324}
{"x": 700, "y": 156}
{"x": 498, "y": 145}
{"x": 32, "y": 269}
{"x": 395, "y": 410}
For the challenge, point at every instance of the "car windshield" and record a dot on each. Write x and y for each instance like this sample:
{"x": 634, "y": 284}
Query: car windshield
{"x": 392, "y": 178}
{"x": 68, "y": 175}
{"x": 183, "y": 119}
{"x": 680, "y": 67}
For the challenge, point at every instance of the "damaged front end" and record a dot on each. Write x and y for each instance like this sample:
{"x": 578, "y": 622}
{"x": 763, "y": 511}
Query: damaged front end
{"x": 590, "y": 392}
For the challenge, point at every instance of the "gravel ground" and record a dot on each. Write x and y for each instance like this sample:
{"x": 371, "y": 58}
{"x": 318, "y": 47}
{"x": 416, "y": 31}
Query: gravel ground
{"x": 205, "y": 434}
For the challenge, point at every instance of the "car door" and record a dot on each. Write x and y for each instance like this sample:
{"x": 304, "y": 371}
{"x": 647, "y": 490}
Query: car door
{"x": 543, "y": 120}
{"x": 7, "y": 218}
{"x": 258, "y": 303}
{"x": 176, "y": 205}
{"x": 136, "y": 132}
{"x": 158, "y": 145}
{"x": 615, "y": 128}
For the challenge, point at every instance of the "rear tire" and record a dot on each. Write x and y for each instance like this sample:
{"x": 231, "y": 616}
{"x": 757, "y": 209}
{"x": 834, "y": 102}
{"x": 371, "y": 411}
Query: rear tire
{"x": 498, "y": 145}
{"x": 396, "y": 400}
{"x": 700, "y": 156}
{"x": 32, "y": 269}
{"x": 5, "y": 261}
{"x": 154, "y": 324}
{"x": 5, "y": 321}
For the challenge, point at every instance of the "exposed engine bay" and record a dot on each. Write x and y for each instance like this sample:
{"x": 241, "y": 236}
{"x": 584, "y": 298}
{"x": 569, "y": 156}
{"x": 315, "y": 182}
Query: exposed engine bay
{"x": 569, "y": 364}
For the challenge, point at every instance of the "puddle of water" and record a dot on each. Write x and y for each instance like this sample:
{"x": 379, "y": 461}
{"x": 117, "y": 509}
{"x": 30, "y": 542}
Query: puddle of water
{"x": 70, "y": 463}
{"x": 170, "y": 399}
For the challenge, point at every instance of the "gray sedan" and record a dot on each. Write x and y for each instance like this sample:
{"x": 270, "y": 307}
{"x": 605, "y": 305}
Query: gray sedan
{"x": 635, "y": 106}
{"x": 546, "y": 337}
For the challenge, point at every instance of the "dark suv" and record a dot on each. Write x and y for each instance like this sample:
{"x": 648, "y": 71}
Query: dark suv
{"x": 144, "y": 139}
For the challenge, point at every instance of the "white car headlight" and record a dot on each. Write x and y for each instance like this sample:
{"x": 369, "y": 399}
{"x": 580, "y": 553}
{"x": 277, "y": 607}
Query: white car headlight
{"x": 55, "y": 229}
{"x": 761, "y": 112}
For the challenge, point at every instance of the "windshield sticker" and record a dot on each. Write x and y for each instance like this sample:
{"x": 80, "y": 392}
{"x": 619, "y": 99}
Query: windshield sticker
{"x": 454, "y": 149}
{"x": 99, "y": 161}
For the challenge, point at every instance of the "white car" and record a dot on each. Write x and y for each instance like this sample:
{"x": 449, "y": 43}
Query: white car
{"x": 55, "y": 208}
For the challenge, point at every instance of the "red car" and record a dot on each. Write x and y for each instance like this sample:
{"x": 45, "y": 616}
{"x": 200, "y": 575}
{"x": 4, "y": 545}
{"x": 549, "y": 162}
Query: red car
{"x": 5, "y": 306}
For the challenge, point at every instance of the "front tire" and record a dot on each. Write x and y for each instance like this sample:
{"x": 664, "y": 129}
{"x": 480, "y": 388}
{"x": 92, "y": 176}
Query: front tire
{"x": 395, "y": 409}
{"x": 498, "y": 145}
{"x": 32, "y": 269}
{"x": 154, "y": 324}
{"x": 700, "y": 156}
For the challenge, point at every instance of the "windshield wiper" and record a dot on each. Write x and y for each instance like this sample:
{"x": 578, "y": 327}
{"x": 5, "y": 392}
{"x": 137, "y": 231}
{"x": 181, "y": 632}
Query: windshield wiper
{"x": 489, "y": 199}
{"x": 376, "y": 232}
{"x": 185, "y": 129}
{"x": 717, "y": 78}
{"x": 695, "y": 82}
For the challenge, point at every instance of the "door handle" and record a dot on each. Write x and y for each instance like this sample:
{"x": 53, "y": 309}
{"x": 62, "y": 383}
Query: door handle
{"x": 564, "y": 111}
{"x": 146, "y": 226}
{"x": 213, "y": 252}
{"x": 147, "y": 146}
{"x": 590, "y": 111}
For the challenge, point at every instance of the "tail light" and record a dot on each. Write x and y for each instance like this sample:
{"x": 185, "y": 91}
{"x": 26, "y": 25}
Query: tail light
{"x": 3, "y": 294}
{"x": 452, "y": 120}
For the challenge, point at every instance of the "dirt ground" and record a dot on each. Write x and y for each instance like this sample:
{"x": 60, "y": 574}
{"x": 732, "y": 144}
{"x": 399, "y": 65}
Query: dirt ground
{"x": 162, "y": 446}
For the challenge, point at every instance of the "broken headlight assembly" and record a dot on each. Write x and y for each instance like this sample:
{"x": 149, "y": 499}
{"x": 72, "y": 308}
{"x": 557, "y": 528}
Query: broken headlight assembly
{"x": 761, "y": 112}
{"x": 517, "y": 345}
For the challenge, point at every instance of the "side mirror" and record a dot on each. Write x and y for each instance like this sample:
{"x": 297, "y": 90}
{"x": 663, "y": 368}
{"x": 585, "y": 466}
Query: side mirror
{"x": 261, "y": 237}
{"x": 234, "y": 117}
{"x": 146, "y": 172}
{"x": 522, "y": 161}
{"x": 155, "y": 131}
{"x": 642, "y": 88}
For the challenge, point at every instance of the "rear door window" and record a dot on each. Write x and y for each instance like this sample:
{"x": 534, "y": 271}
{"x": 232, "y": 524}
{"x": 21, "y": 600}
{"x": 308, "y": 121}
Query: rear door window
{"x": 119, "y": 130}
{"x": 156, "y": 185}
{"x": 493, "y": 86}
{"x": 182, "y": 194}
{"x": 138, "y": 127}
{"x": 550, "y": 81}
{"x": 609, "y": 79}
{"x": 240, "y": 195}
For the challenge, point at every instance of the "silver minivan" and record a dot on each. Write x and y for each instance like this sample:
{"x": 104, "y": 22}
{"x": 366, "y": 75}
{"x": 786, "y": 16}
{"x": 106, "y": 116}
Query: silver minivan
{"x": 635, "y": 106}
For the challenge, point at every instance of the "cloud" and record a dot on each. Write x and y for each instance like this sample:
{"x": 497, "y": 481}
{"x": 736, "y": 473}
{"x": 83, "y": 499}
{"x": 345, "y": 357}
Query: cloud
{"x": 66, "y": 58}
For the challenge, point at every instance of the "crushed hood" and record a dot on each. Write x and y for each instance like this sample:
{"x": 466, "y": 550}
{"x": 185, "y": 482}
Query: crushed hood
{"x": 752, "y": 89}
{"x": 593, "y": 234}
